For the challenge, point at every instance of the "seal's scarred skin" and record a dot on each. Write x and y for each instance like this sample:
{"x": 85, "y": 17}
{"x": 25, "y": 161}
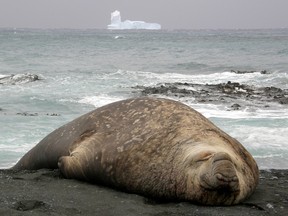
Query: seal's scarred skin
{"x": 155, "y": 147}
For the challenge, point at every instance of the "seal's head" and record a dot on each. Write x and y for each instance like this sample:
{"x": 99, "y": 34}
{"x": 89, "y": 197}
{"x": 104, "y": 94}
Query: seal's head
{"x": 218, "y": 177}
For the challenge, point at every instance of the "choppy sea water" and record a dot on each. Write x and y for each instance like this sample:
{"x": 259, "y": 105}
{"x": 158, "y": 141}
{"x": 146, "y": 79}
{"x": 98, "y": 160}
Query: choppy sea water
{"x": 83, "y": 69}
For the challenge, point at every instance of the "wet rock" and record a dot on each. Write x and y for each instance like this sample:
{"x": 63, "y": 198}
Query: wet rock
{"x": 246, "y": 72}
{"x": 272, "y": 90}
{"x": 52, "y": 114}
{"x": 36, "y": 114}
{"x": 264, "y": 72}
{"x": 283, "y": 100}
{"x": 224, "y": 93}
{"x": 235, "y": 106}
{"x": 18, "y": 79}
{"x": 27, "y": 114}
{"x": 168, "y": 89}
{"x": 242, "y": 72}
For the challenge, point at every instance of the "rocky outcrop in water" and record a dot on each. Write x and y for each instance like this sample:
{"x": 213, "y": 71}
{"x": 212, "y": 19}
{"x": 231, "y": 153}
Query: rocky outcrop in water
{"x": 245, "y": 72}
{"x": 18, "y": 79}
{"x": 8, "y": 112}
{"x": 234, "y": 93}
{"x": 36, "y": 114}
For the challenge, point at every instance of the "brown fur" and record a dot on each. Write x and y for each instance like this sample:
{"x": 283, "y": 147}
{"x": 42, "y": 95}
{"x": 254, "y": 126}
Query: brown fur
{"x": 155, "y": 147}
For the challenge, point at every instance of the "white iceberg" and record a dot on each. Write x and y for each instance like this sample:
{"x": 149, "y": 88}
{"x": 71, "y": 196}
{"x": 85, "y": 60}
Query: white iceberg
{"x": 116, "y": 23}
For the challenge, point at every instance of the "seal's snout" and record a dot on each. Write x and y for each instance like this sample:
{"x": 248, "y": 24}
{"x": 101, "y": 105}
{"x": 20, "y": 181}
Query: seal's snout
{"x": 224, "y": 172}
{"x": 221, "y": 173}
{"x": 230, "y": 182}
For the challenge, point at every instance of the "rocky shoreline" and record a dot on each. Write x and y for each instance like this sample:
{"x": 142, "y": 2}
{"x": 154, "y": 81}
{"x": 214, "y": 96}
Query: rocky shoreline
{"x": 46, "y": 192}
{"x": 233, "y": 94}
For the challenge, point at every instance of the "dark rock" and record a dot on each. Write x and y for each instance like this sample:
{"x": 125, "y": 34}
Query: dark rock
{"x": 235, "y": 106}
{"x": 27, "y": 114}
{"x": 167, "y": 89}
{"x": 36, "y": 114}
{"x": 283, "y": 100}
{"x": 18, "y": 79}
{"x": 264, "y": 72}
{"x": 242, "y": 72}
{"x": 246, "y": 72}
{"x": 52, "y": 114}
{"x": 230, "y": 92}
{"x": 272, "y": 90}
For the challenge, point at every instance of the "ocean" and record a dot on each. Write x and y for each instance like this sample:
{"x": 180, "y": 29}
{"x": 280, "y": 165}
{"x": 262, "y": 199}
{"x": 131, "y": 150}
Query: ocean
{"x": 80, "y": 70}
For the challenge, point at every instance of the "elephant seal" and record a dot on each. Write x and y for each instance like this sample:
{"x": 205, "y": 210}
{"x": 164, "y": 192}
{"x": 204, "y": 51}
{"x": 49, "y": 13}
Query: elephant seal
{"x": 155, "y": 147}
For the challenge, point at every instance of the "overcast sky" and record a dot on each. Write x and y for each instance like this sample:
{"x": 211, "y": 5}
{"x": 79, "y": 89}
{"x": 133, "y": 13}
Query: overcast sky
{"x": 171, "y": 14}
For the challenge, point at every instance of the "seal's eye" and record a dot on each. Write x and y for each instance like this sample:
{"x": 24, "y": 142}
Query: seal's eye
{"x": 204, "y": 156}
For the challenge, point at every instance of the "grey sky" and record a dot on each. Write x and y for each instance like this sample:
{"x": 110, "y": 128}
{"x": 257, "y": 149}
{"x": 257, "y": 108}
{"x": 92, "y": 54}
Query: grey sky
{"x": 171, "y": 14}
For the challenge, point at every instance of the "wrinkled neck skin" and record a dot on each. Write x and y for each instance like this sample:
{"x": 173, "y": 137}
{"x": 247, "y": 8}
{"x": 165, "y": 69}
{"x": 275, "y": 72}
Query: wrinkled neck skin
{"x": 217, "y": 176}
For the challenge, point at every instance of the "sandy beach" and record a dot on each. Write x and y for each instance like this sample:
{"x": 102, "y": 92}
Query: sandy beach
{"x": 46, "y": 192}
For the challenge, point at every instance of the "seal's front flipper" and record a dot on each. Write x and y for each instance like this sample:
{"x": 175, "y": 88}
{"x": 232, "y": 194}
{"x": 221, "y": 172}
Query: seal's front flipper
{"x": 84, "y": 161}
{"x": 79, "y": 164}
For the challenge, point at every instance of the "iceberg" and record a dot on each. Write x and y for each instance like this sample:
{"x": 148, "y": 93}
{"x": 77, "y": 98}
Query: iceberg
{"x": 116, "y": 23}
